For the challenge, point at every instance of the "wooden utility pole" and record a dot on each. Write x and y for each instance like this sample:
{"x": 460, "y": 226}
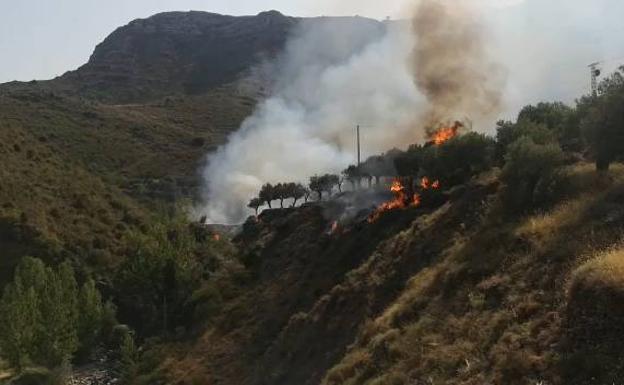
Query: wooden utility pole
{"x": 358, "y": 145}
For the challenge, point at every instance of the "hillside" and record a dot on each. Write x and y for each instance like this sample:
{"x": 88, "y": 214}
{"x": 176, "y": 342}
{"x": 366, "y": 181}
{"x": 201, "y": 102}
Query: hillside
{"x": 467, "y": 260}
{"x": 454, "y": 295}
{"x": 155, "y": 98}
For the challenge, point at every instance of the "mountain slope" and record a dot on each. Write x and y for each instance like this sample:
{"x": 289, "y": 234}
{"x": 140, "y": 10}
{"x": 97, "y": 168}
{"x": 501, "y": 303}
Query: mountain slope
{"x": 455, "y": 295}
{"x": 52, "y": 207}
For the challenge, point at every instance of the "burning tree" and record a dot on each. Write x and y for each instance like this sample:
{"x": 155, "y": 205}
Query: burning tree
{"x": 443, "y": 134}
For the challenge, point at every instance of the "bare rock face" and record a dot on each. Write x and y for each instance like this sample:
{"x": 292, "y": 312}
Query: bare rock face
{"x": 178, "y": 52}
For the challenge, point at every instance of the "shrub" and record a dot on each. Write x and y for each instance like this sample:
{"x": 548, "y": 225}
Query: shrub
{"x": 459, "y": 159}
{"x": 508, "y": 133}
{"x": 594, "y": 320}
{"x": 528, "y": 164}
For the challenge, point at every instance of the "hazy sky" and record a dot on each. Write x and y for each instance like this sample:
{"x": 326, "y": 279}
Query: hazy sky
{"x": 41, "y": 39}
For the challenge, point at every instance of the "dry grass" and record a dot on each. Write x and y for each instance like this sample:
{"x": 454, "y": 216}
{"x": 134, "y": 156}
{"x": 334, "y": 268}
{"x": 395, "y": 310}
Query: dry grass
{"x": 605, "y": 270}
{"x": 545, "y": 225}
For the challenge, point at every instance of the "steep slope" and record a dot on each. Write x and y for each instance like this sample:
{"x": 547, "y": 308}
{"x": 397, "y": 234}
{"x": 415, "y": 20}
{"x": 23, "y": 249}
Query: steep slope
{"x": 153, "y": 151}
{"x": 52, "y": 207}
{"x": 303, "y": 310}
{"x": 457, "y": 295}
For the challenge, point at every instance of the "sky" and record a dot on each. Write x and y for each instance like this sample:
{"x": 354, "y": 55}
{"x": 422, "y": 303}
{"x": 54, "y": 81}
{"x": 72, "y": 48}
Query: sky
{"x": 546, "y": 44}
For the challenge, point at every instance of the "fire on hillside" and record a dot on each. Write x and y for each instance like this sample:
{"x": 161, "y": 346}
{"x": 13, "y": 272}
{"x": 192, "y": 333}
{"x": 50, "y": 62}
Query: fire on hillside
{"x": 405, "y": 194}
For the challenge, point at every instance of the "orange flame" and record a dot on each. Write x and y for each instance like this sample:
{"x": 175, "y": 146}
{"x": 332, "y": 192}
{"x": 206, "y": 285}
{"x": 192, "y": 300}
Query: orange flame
{"x": 401, "y": 200}
{"x": 425, "y": 183}
{"x": 444, "y": 134}
{"x": 216, "y": 237}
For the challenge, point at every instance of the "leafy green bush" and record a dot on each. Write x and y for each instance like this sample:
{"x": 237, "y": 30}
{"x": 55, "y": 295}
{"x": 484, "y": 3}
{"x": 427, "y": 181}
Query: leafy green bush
{"x": 458, "y": 159}
{"x": 508, "y": 132}
{"x": 528, "y": 168}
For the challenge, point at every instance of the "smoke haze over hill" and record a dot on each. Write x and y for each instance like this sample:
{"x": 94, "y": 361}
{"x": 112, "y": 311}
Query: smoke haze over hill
{"x": 335, "y": 74}
{"x": 332, "y": 76}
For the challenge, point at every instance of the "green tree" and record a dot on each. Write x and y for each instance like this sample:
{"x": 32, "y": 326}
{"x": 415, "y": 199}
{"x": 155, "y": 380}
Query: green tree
{"x": 559, "y": 118}
{"x": 281, "y": 191}
{"x": 128, "y": 358}
{"x": 508, "y": 132}
{"x": 267, "y": 194}
{"x": 158, "y": 277}
{"x": 90, "y": 316}
{"x": 41, "y": 313}
{"x": 58, "y": 303}
{"x": 21, "y": 320}
{"x": 379, "y": 166}
{"x": 603, "y": 120}
{"x": 255, "y": 203}
{"x": 297, "y": 191}
{"x": 528, "y": 164}
{"x": 407, "y": 164}
{"x": 458, "y": 159}
{"x": 316, "y": 185}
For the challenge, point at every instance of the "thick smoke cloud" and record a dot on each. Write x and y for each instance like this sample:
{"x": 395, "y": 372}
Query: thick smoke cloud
{"x": 334, "y": 75}
{"x": 394, "y": 79}
{"x": 452, "y": 65}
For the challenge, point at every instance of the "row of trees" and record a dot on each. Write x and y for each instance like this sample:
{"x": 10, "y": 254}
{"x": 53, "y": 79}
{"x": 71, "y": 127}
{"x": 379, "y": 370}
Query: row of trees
{"x": 529, "y": 151}
{"x": 295, "y": 191}
{"x": 47, "y": 317}
{"x": 451, "y": 163}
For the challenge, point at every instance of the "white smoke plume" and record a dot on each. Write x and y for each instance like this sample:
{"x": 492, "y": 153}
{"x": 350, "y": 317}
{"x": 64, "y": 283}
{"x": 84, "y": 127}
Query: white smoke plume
{"x": 335, "y": 74}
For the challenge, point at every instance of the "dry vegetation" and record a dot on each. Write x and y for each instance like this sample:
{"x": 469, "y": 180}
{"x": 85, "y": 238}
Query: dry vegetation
{"x": 458, "y": 295}
{"x": 508, "y": 323}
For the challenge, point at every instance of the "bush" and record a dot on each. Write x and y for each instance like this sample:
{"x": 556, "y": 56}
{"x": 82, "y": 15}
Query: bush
{"x": 508, "y": 133}
{"x": 459, "y": 159}
{"x": 594, "y": 320}
{"x": 528, "y": 168}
